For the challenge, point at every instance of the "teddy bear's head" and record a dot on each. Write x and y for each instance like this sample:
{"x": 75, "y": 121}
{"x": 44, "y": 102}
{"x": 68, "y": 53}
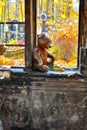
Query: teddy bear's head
{"x": 44, "y": 41}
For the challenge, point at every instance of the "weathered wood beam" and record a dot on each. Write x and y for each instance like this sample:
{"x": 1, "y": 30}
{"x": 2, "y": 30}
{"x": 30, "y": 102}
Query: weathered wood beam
{"x": 30, "y": 32}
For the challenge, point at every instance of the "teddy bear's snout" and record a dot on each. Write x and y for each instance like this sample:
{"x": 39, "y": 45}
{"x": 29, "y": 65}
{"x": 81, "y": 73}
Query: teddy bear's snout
{"x": 50, "y": 46}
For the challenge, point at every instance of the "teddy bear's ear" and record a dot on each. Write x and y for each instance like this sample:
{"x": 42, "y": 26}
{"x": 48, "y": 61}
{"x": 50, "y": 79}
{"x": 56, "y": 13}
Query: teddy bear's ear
{"x": 41, "y": 36}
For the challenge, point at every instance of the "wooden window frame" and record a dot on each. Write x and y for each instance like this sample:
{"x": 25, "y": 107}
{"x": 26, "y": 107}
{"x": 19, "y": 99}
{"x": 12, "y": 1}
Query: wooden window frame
{"x": 30, "y": 32}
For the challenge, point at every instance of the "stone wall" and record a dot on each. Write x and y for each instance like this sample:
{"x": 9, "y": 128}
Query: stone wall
{"x": 44, "y": 103}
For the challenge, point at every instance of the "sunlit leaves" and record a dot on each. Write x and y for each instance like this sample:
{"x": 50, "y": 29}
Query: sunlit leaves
{"x": 6, "y": 61}
{"x": 65, "y": 44}
{"x": 11, "y": 10}
{"x": 63, "y": 16}
{"x": 2, "y": 4}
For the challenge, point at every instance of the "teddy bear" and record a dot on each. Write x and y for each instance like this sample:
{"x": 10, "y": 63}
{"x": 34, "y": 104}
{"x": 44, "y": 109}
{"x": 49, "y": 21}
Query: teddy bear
{"x": 41, "y": 54}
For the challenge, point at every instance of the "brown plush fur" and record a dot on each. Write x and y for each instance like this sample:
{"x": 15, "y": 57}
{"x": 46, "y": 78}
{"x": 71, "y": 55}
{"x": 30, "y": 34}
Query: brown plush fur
{"x": 41, "y": 54}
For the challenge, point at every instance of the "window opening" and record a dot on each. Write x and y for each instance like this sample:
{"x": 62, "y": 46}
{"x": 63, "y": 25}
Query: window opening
{"x": 59, "y": 19}
{"x": 12, "y": 32}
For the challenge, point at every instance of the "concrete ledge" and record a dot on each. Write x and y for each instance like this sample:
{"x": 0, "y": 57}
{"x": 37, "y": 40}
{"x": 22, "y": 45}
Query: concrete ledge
{"x": 50, "y": 73}
{"x": 18, "y": 76}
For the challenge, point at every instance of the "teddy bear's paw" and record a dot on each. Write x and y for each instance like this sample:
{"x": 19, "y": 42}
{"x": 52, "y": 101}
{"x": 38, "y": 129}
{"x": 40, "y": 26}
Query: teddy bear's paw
{"x": 44, "y": 68}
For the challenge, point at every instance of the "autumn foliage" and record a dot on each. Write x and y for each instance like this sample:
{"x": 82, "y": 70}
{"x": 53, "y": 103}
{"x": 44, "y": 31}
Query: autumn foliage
{"x": 65, "y": 44}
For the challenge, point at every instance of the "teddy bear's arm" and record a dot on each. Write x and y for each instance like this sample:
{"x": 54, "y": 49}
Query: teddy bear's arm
{"x": 51, "y": 61}
{"x": 37, "y": 58}
{"x": 51, "y": 56}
